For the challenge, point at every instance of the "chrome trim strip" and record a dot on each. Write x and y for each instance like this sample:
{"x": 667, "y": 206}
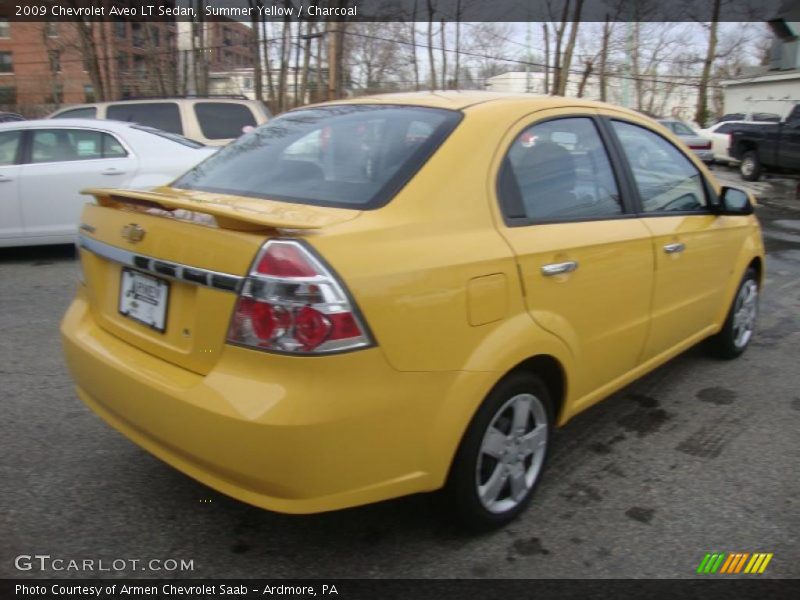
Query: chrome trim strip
{"x": 225, "y": 282}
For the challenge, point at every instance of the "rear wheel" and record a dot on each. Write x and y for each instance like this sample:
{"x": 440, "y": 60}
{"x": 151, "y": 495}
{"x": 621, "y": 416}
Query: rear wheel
{"x": 738, "y": 329}
{"x": 750, "y": 168}
{"x": 502, "y": 454}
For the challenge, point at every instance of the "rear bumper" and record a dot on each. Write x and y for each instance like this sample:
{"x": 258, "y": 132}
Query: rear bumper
{"x": 290, "y": 434}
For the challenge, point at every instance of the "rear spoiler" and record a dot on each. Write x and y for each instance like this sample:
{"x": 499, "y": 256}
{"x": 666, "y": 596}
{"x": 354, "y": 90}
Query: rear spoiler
{"x": 229, "y": 212}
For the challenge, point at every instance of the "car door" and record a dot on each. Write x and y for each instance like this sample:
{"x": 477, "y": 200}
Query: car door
{"x": 10, "y": 215}
{"x": 58, "y": 164}
{"x": 789, "y": 148}
{"x": 585, "y": 260}
{"x": 694, "y": 248}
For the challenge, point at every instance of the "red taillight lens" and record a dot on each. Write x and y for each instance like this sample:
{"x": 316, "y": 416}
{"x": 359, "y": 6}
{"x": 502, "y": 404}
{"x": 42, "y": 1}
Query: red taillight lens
{"x": 311, "y": 327}
{"x": 700, "y": 146}
{"x": 285, "y": 261}
{"x": 291, "y": 302}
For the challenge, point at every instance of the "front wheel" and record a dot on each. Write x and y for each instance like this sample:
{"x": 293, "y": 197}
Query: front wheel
{"x": 736, "y": 333}
{"x": 750, "y": 168}
{"x": 502, "y": 455}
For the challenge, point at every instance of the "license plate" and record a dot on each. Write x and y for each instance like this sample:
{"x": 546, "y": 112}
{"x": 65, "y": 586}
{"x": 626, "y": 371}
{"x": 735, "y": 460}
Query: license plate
{"x": 144, "y": 299}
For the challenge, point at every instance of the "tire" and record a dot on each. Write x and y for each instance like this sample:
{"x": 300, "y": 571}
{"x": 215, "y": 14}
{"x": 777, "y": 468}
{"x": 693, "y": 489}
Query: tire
{"x": 737, "y": 332}
{"x": 750, "y": 167}
{"x": 500, "y": 459}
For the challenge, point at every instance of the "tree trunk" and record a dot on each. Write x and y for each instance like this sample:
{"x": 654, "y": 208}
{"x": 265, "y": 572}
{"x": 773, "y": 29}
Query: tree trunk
{"x": 587, "y": 72}
{"x": 310, "y": 31}
{"x": 258, "y": 87}
{"x": 567, "y": 61}
{"x": 701, "y": 115}
{"x": 430, "y": 46}
{"x": 604, "y": 59}
{"x": 546, "y": 58}
{"x": 444, "y": 55}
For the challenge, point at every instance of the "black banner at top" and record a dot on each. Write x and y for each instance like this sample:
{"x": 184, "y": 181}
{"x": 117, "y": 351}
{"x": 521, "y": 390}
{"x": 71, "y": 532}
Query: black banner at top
{"x": 403, "y": 10}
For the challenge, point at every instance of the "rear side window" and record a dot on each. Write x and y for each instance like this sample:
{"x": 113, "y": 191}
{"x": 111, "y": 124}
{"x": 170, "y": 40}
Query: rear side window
{"x": 559, "y": 170}
{"x": 173, "y": 137}
{"x": 350, "y": 156}
{"x": 727, "y": 128}
{"x": 9, "y": 146}
{"x": 666, "y": 179}
{"x": 223, "y": 120}
{"x": 161, "y": 115}
{"x": 64, "y": 145}
{"x": 89, "y": 112}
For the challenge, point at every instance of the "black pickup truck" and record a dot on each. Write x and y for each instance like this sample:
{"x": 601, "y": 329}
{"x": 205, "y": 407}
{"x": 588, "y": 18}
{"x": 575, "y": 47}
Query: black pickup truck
{"x": 767, "y": 147}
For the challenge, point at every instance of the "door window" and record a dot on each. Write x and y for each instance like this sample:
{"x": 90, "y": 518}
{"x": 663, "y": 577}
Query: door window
{"x": 9, "y": 146}
{"x": 161, "y": 115}
{"x": 559, "y": 170}
{"x": 666, "y": 179}
{"x": 60, "y": 145}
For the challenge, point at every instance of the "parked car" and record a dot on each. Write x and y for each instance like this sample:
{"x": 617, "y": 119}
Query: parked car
{"x": 7, "y": 117}
{"x": 720, "y": 136}
{"x": 699, "y": 144}
{"x": 404, "y": 294}
{"x": 774, "y": 147}
{"x": 210, "y": 121}
{"x": 44, "y": 164}
{"x": 750, "y": 116}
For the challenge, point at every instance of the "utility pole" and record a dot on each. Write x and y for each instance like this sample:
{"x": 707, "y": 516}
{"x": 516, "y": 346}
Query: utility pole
{"x": 333, "y": 60}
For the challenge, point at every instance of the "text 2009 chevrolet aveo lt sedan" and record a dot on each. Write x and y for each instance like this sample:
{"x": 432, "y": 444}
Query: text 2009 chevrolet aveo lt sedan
{"x": 401, "y": 294}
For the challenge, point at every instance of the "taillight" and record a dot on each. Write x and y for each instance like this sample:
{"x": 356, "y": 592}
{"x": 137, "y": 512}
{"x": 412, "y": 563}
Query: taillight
{"x": 701, "y": 146}
{"x": 290, "y": 302}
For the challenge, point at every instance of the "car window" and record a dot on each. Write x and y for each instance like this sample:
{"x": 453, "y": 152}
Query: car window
{"x": 666, "y": 179}
{"x": 174, "y": 137}
{"x": 223, "y": 120}
{"x": 725, "y": 128}
{"x": 88, "y": 112}
{"x": 112, "y": 148}
{"x": 60, "y": 145}
{"x": 681, "y": 129}
{"x": 161, "y": 115}
{"x": 9, "y": 145}
{"x": 559, "y": 170}
{"x": 355, "y": 156}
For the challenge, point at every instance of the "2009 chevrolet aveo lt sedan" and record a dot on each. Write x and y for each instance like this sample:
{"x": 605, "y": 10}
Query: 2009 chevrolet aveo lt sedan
{"x": 406, "y": 293}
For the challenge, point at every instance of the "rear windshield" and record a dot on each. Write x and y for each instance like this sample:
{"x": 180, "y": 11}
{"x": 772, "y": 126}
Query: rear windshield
{"x": 349, "y": 156}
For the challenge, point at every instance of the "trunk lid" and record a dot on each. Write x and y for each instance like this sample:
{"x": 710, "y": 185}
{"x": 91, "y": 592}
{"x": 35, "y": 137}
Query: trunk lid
{"x": 191, "y": 250}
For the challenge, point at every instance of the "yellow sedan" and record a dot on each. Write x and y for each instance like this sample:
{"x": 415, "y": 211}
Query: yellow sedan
{"x": 405, "y": 293}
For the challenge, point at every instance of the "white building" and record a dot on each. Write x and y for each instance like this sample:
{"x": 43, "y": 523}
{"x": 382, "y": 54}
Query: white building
{"x": 777, "y": 89}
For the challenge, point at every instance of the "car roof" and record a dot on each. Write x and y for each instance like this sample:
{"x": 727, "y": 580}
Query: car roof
{"x": 460, "y": 100}
{"x": 155, "y": 100}
{"x": 61, "y": 123}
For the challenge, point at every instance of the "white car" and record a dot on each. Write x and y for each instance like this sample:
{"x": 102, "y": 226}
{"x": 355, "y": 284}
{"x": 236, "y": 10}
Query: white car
{"x": 719, "y": 135}
{"x": 44, "y": 164}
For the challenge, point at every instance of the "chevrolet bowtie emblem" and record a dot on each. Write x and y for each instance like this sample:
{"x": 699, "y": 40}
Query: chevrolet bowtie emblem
{"x": 133, "y": 233}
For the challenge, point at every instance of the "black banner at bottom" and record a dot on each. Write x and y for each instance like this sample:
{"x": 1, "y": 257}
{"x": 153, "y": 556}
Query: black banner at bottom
{"x": 405, "y": 589}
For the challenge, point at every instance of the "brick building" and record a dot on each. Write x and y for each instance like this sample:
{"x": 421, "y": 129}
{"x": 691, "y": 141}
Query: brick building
{"x": 44, "y": 65}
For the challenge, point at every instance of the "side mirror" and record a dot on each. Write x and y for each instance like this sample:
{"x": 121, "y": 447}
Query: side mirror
{"x": 733, "y": 201}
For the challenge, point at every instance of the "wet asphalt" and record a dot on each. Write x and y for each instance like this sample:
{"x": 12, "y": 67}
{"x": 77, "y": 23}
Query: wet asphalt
{"x": 698, "y": 456}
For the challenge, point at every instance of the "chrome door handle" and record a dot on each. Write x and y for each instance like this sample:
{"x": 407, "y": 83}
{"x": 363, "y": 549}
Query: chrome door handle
{"x": 674, "y": 248}
{"x": 559, "y": 268}
{"x": 113, "y": 172}
{"x": 4, "y": 179}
